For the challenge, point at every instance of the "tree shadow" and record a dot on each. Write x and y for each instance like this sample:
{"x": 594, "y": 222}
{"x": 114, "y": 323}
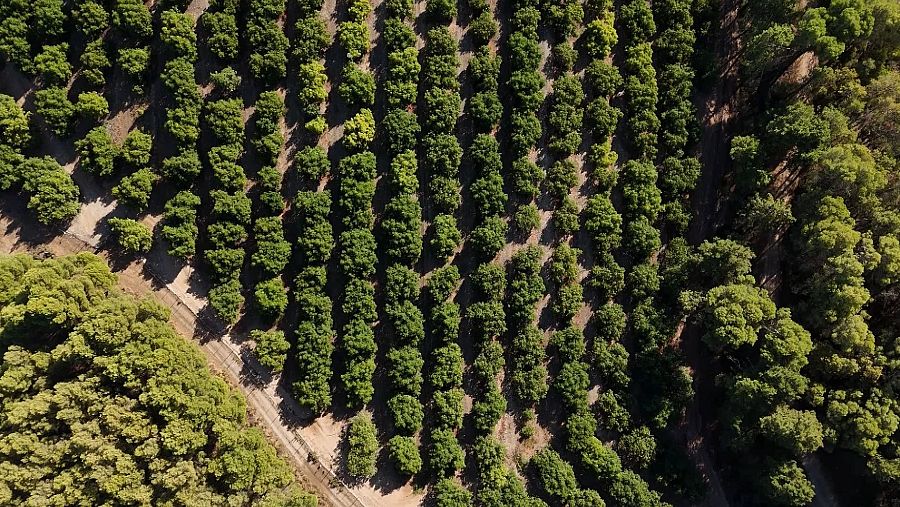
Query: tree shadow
{"x": 22, "y": 224}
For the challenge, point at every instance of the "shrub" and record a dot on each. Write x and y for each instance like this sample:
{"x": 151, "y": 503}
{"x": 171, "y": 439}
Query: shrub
{"x": 405, "y": 455}
{"x": 357, "y": 86}
{"x": 489, "y": 237}
{"x": 271, "y": 348}
{"x": 136, "y": 148}
{"x": 406, "y": 412}
{"x": 445, "y": 455}
{"x": 354, "y": 37}
{"x": 312, "y": 163}
{"x": 131, "y": 235}
{"x": 96, "y": 152}
{"x": 54, "y": 196}
{"x": 134, "y": 190}
{"x": 362, "y": 446}
{"x": 54, "y": 106}
{"x": 359, "y": 130}
{"x": 53, "y": 64}
{"x": 445, "y": 236}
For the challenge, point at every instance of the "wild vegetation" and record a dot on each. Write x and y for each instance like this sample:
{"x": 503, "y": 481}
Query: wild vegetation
{"x": 120, "y": 408}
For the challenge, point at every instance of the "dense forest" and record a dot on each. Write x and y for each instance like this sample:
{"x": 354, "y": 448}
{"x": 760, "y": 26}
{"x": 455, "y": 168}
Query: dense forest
{"x": 103, "y": 404}
{"x": 524, "y": 252}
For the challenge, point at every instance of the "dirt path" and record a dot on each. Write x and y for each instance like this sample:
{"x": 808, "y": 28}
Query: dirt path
{"x": 815, "y": 472}
{"x": 718, "y": 109}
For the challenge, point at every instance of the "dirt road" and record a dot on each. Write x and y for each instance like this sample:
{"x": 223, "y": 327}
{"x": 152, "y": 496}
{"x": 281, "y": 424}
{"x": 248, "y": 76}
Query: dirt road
{"x": 717, "y": 110}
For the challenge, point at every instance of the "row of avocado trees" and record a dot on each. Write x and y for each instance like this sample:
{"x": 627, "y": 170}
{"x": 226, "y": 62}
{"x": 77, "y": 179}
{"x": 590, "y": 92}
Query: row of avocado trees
{"x": 487, "y": 315}
{"x": 314, "y": 331}
{"x": 401, "y": 225}
{"x": 357, "y": 171}
{"x": 441, "y": 157}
